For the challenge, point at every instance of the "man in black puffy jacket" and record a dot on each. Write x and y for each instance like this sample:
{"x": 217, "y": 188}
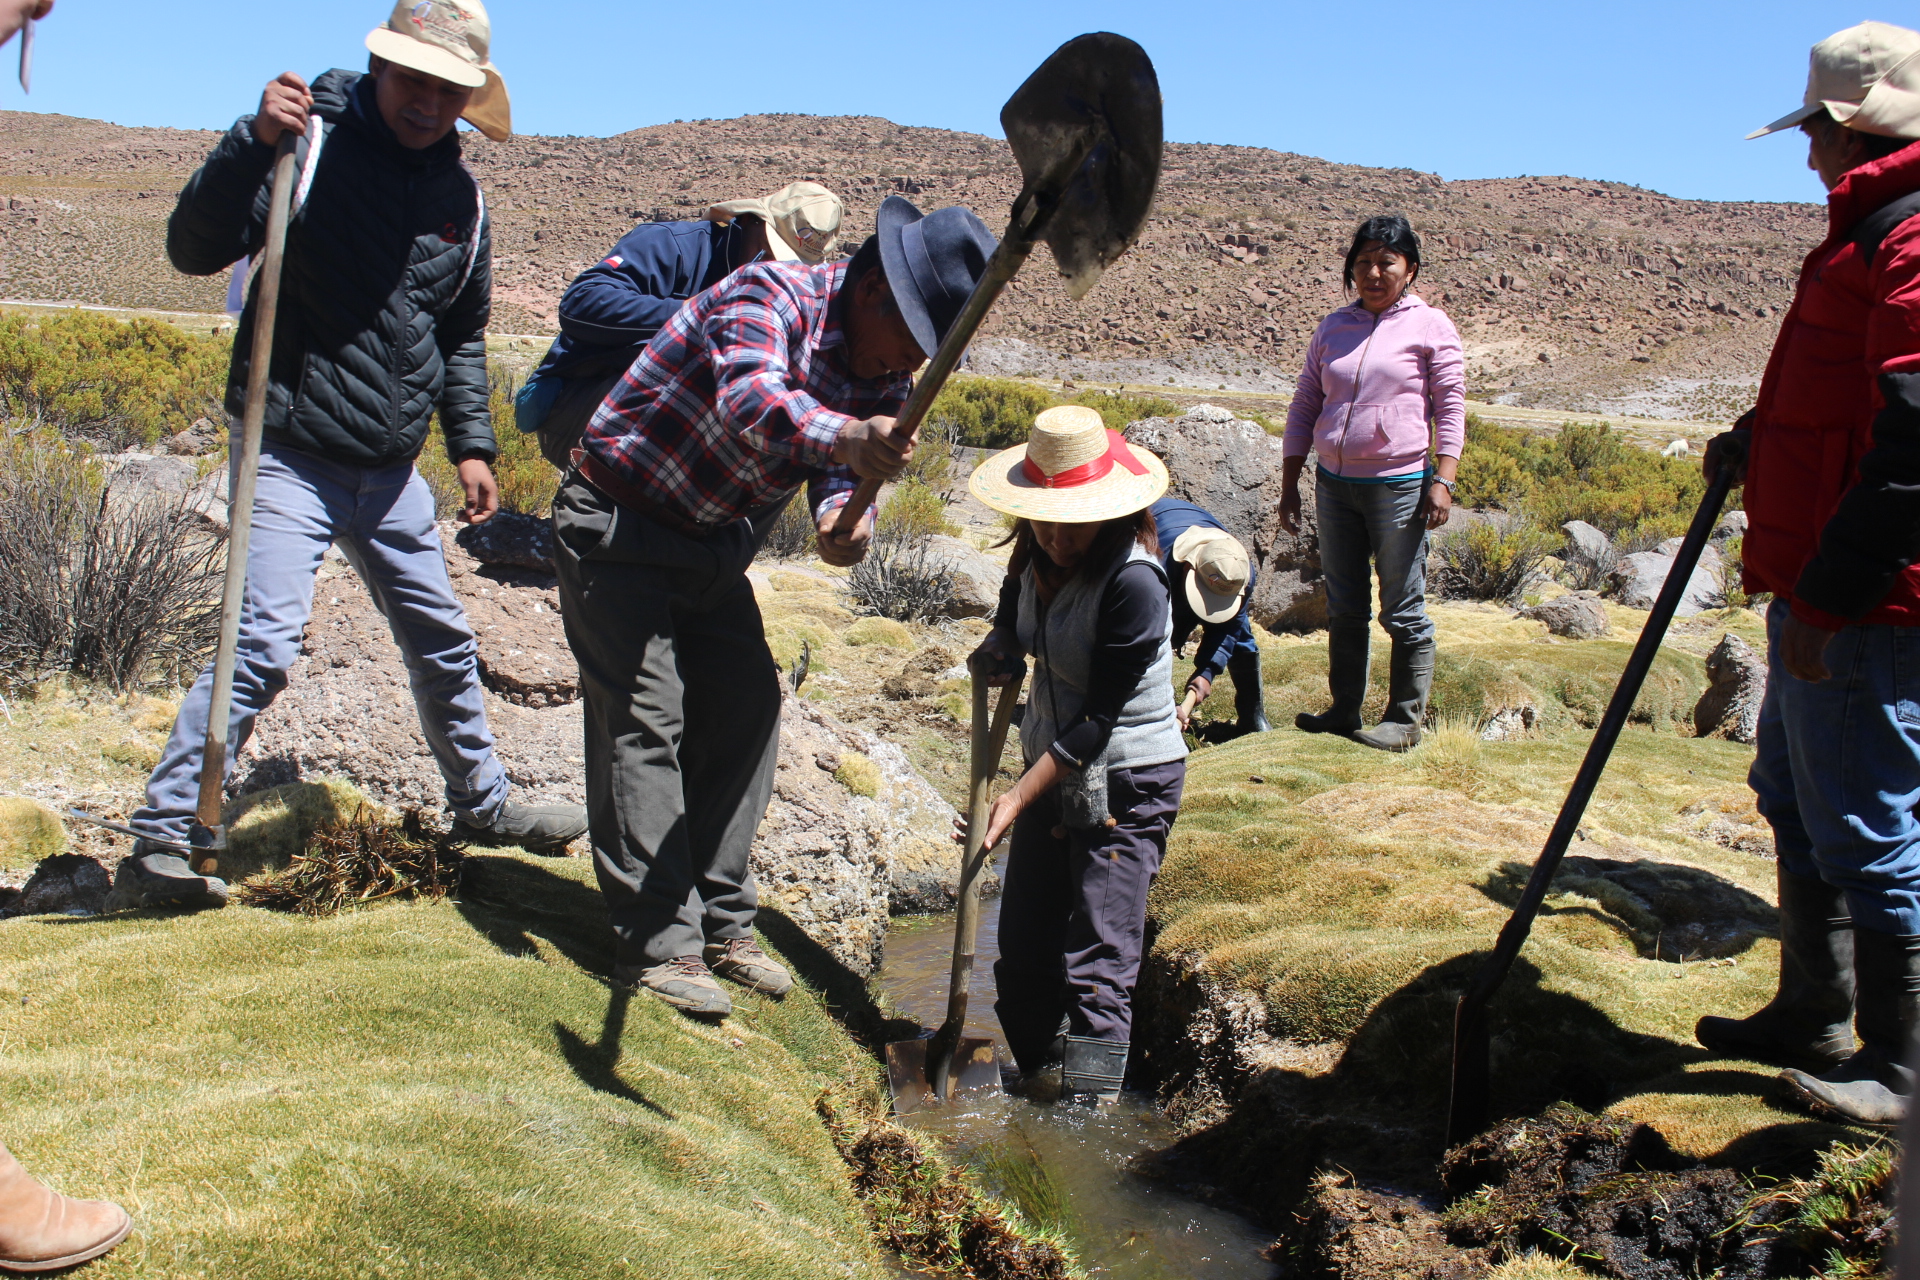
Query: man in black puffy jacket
{"x": 382, "y": 322}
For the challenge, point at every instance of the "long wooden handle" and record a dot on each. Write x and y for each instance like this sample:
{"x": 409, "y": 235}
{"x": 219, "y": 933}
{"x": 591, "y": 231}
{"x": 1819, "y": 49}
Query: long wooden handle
{"x": 213, "y": 763}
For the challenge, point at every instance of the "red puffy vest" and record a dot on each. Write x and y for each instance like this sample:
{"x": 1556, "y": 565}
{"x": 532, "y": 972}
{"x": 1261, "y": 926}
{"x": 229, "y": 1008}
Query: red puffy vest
{"x": 1851, "y": 321}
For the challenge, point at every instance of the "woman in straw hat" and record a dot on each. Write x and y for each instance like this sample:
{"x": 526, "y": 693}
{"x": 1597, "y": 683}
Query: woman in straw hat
{"x": 1086, "y": 597}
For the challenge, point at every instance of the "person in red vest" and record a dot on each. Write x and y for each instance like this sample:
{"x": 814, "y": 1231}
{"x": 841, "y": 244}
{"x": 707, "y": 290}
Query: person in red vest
{"x": 1831, "y": 459}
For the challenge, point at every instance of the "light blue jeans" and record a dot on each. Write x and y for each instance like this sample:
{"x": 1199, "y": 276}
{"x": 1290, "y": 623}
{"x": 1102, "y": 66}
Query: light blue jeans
{"x": 1837, "y": 770}
{"x": 382, "y": 521}
{"x": 1369, "y": 527}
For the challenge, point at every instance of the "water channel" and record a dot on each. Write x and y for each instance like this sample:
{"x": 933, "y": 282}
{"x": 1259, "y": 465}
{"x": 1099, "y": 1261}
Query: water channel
{"x": 1073, "y": 1161}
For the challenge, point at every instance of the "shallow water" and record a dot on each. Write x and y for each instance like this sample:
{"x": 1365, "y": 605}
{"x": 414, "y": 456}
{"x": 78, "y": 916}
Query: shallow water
{"x": 1067, "y": 1166}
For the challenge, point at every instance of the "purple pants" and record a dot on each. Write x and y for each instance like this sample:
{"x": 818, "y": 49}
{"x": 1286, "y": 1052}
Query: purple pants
{"x": 1073, "y": 912}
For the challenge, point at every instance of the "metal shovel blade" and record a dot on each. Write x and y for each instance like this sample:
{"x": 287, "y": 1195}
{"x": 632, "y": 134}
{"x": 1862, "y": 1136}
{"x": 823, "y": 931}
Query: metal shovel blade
{"x": 1086, "y": 130}
{"x": 973, "y": 1068}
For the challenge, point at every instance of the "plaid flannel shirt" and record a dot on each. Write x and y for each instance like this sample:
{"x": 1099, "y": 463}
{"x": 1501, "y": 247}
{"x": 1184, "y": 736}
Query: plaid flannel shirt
{"x": 738, "y": 400}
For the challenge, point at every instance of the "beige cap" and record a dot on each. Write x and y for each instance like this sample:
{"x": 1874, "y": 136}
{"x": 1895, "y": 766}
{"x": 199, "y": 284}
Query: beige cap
{"x": 449, "y": 39}
{"x": 1217, "y": 587}
{"x": 803, "y": 220}
{"x": 1071, "y": 470}
{"x": 1866, "y": 77}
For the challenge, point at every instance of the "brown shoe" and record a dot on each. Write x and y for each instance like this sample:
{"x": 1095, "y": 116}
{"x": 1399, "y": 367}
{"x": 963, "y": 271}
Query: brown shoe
{"x": 683, "y": 982}
{"x": 741, "y": 960}
{"x": 41, "y": 1230}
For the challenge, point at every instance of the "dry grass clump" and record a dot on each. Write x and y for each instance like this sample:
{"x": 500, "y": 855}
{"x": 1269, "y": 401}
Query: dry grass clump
{"x": 29, "y": 833}
{"x": 360, "y": 862}
{"x": 858, "y": 774}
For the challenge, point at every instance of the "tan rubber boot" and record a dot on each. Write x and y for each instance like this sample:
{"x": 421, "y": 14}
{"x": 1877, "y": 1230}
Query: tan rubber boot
{"x": 41, "y": 1230}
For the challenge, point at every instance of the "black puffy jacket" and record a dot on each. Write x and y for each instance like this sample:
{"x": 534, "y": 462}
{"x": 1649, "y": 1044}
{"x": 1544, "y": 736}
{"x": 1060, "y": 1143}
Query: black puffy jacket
{"x": 375, "y": 329}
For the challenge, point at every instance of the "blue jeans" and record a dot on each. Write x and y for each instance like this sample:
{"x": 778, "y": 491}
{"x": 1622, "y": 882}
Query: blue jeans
{"x": 1837, "y": 770}
{"x": 382, "y": 521}
{"x": 1364, "y": 527}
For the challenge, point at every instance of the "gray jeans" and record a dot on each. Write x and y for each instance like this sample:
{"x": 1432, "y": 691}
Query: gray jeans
{"x": 382, "y": 520}
{"x": 682, "y": 708}
{"x": 1369, "y": 527}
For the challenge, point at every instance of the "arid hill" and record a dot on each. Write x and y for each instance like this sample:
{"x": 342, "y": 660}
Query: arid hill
{"x": 1570, "y": 292}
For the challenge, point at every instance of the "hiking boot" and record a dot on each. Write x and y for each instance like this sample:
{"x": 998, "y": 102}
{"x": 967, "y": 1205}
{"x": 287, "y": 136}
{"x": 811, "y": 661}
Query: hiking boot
{"x": 153, "y": 877}
{"x": 537, "y": 828}
{"x": 684, "y": 982}
{"x": 41, "y": 1230}
{"x": 1871, "y": 1087}
{"x": 1249, "y": 706}
{"x": 1092, "y": 1071}
{"x": 1346, "y": 681}
{"x": 1409, "y": 681}
{"x": 1809, "y": 1021}
{"x": 741, "y": 960}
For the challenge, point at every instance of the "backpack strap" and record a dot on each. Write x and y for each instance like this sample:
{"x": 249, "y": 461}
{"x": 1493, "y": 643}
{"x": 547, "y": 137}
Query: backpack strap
{"x": 317, "y": 131}
{"x": 1871, "y": 230}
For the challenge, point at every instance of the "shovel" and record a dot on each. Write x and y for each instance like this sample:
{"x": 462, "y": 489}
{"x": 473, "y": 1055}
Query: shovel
{"x": 929, "y": 1071}
{"x": 1467, "y": 1108}
{"x": 1085, "y": 129}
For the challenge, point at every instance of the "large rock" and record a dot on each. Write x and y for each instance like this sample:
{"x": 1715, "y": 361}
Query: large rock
{"x": 1232, "y": 467}
{"x": 1577, "y": 615}
{"x": 1589, "y": 552}
{"x": 1732, "y": 524}
{"x": 976, "y": 577}
{"x": 509, "y": 538}
{"x": 1730, "y": 708}
{"x": 825, "y": 856}
{"x": 1637, "y": 580}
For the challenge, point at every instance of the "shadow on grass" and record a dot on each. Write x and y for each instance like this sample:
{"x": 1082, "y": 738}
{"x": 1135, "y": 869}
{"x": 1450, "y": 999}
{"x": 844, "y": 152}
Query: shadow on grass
{"x": 1668, "y": 911}
{"x": 512, "y": 903}
{"x": 846, "y": 995}
{"x": 598, "y": 1064}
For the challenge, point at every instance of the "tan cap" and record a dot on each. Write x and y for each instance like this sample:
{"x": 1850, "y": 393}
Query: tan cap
{"x": 449, "y": 39}
{"x": 803, "y": 220}
{"x": 1866, "y": 77}
{"x": 1071, "y": 470}
{"x": 1217, "y": 587}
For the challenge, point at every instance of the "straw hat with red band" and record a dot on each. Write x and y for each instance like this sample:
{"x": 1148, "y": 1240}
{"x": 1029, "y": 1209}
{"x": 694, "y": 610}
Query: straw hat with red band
{"x": 1071, "y": 470}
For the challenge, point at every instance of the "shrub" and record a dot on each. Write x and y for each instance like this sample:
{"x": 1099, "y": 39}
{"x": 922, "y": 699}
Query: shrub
{"x": 527, "y": 480}
{"x": 988, "y": 413}
{"x": 1489, "y": 562}
{"x": 900, "y": 579}
{"x": 932, "y": 463}
{"x": 112, "y": 383}
{"x": 1118, "y": 408}
{"x": 915, "y": 510}
{"x": 792, "y": 534}
{"x": 120, "y": 592}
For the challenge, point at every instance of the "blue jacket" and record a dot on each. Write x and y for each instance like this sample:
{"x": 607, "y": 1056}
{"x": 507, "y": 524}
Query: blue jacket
{"x": 1218, "y": 640}
{"x": 613, "y": 307}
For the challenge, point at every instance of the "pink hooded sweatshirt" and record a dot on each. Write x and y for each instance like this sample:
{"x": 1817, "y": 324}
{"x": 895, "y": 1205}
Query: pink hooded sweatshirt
{"x": 1371, "y": 386}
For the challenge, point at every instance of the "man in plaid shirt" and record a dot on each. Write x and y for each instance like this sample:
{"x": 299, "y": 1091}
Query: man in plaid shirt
{"x": 780, "y": 376}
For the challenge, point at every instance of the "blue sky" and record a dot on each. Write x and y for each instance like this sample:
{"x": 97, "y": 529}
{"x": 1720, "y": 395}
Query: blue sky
{"x": 1657, "y": 94}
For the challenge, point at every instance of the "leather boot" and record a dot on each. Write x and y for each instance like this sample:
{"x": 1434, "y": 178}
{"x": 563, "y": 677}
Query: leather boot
{"x": 1346, "y": 679}
{"x": 1809, "y": 1021}
{"x": 1092, "y": 1071}
{"x": 1249, "y": 701}
{"x": 41, "y": 1230}
{"x": 154, "y": 876}
{"x": 1410, "y": 680}
{"x": 1872, "y": 1086}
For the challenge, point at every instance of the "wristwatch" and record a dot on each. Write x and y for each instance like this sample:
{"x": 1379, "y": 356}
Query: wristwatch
{"x": 1440, "y": 479}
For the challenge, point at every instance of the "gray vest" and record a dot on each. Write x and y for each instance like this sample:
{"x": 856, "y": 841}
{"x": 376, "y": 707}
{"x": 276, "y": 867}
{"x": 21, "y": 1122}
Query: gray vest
{"x": 1147, "y": 732}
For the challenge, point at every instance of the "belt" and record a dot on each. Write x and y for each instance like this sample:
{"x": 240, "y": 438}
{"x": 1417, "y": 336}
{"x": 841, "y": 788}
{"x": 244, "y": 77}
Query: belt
{"x": 601, "y": 477}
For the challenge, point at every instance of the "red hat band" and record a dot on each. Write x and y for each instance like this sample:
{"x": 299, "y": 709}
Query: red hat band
{"x": 1087, "y": 472}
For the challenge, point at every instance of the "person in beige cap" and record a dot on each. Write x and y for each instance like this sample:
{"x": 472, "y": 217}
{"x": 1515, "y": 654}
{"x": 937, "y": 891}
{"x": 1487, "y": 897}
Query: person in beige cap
{"x": 1087, "y": 598}
{"x": 615, "y": 306}
{"x": 1831, "y": 462}
{"x": 1213, "y": 579}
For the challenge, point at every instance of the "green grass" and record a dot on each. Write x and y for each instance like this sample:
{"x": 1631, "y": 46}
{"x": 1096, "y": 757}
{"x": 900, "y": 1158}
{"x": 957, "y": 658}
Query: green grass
{"x": 449, "y": 1089}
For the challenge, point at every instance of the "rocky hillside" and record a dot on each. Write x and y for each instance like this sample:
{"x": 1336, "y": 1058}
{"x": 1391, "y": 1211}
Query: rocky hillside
{"x": 1571, "y": 293}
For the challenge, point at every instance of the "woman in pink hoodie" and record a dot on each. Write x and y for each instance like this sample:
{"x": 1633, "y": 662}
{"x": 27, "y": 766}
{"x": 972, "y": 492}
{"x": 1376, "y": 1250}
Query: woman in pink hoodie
{"x": 1382, "y": 406}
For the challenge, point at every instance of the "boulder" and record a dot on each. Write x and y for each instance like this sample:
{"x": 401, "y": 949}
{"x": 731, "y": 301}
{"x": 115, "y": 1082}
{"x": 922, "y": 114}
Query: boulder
{"x": 1577, "y": 615}
{"x": 198, "y": 440}
{"x": 834, "y": 861}
{"x": 140, "y": 477}
{"x": 65, "y": 884}
{"x": 1589, "y": 552}
{"x": 1730, "y": 708}
{"x": 976, "y": 577}
{"x": 1233, "y": 468}
{"x": 1732, "y": 524}
{"x": 1637, "y": 579}
{"x": 509, "y": 538}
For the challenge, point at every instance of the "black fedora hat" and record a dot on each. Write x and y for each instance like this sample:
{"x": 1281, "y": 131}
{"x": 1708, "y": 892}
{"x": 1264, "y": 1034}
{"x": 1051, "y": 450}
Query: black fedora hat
{"x": 932, "y": 262}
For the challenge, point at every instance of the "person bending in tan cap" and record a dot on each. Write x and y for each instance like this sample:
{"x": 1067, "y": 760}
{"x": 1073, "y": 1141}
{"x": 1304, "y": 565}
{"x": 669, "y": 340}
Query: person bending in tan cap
{"x": 1212, "y": 579}
{"x": 613, "y": 307}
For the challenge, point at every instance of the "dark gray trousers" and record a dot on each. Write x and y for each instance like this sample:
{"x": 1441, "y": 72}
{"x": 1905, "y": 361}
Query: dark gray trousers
{"x": 1073, "y": 913}
{"x": 682, "y": 705}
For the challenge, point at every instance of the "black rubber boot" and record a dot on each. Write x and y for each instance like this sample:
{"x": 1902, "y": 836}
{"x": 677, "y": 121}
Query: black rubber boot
{"x": 155, "y": 877}
{"x": 1346, "y": 680}
{"x": 1409, "y": 681}
{"x": 537, "y": 828}
{"x": 1809, "y": 1021}
{"x": 1092, "y": 1070}
{"x": 1249, "y": 702}
{"x": 1872, "y": 1086}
